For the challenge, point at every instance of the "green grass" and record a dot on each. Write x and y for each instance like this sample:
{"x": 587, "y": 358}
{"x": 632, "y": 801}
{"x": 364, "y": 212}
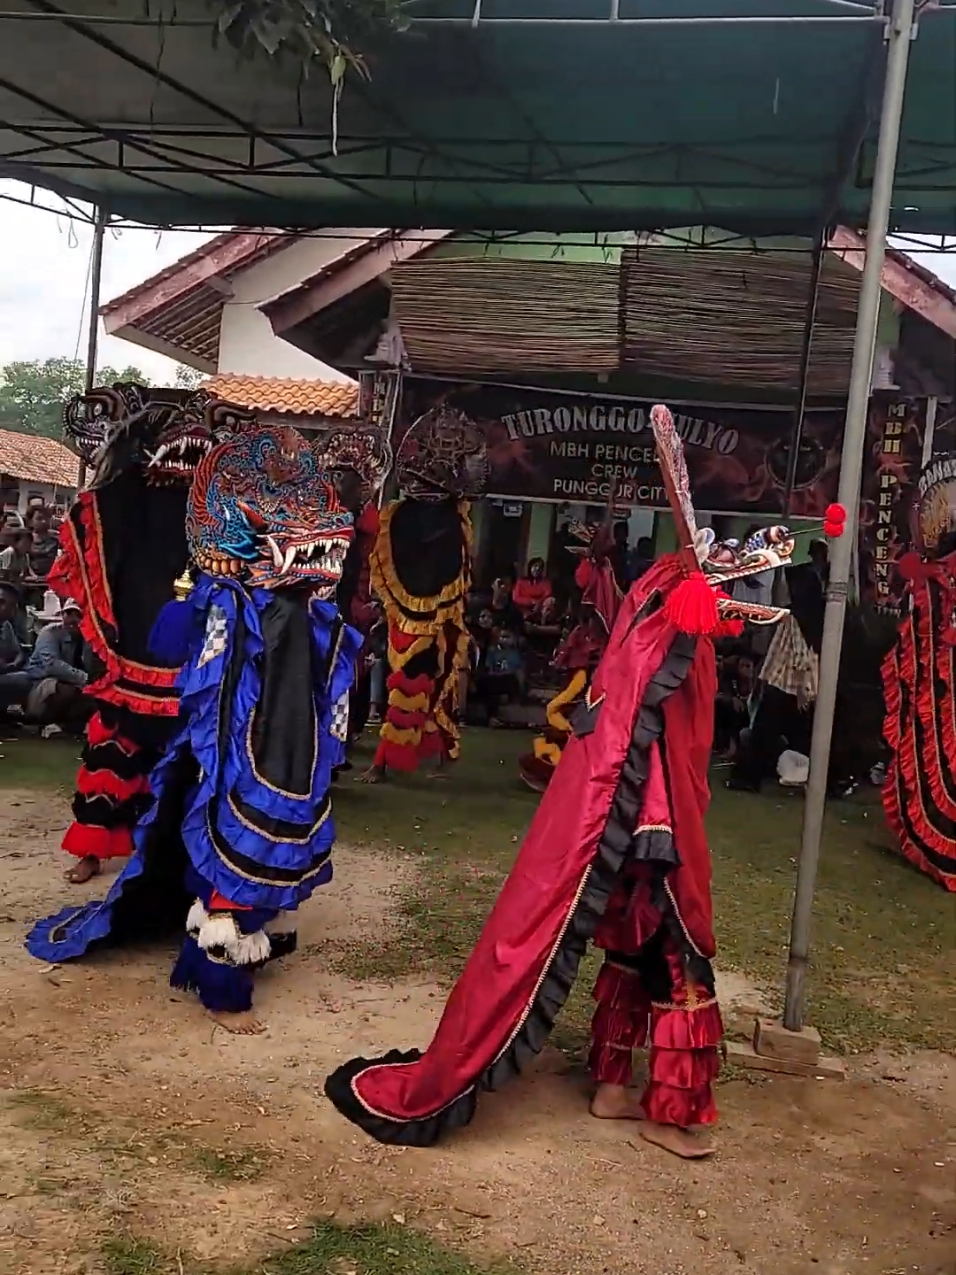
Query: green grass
{"x": 124, "y": 1256}
{"x": 37, "y": 1109}
{"x": 332, "y": 1250}
{"x": 26, "y": 761}
{"x": 883, "y": 933}
{"x": 243, "y": 1165}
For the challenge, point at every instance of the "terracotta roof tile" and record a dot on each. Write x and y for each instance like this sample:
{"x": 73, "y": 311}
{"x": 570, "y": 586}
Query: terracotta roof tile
{"x": 38, "y": 460}
{"x": 283, "y": 394}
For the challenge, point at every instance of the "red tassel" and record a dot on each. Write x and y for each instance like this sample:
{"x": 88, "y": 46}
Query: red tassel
{"x": 835, "y": 513}
{"x": 833, "y": 529}
{"x": 692, "y": 606}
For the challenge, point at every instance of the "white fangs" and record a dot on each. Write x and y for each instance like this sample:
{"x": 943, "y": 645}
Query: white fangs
{"x": 275, "y": 551}
{"x": 312, "y": 556}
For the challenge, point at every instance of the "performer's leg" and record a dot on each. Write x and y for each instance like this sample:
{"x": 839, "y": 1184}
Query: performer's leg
{"x": 112, "y": 791}
{"x": 223, "y": 948}
{"x": 683, "y": 1061}
{"x": 619, "y": 1026}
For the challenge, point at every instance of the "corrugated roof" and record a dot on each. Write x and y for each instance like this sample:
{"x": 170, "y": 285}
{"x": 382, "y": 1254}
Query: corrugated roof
{"x": 38, "y": 460}
{"x": 179, "y": 310}
{"x": 286, "y": 395}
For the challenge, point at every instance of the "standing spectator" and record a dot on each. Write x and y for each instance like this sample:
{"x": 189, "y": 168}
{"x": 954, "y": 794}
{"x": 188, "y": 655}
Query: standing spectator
{"x": 641, "y": 559}
{"x": 45, "y": 544}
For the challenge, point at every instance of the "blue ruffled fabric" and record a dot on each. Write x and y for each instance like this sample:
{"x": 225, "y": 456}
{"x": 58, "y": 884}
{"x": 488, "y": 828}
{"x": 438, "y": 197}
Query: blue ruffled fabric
{"x": 225, "y": 768}
{"x": 73, "y": 931}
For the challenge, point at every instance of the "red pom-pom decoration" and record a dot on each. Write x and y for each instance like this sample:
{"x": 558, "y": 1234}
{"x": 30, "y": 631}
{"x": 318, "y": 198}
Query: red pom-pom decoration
{"x": 833, "y": 529}
{"x": 835, "y": 514}
{"x": 692, "y": 606}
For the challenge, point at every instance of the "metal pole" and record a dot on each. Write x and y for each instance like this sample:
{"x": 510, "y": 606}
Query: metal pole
{"x": 809, "y": 325}
{"x": 900, "y": 30}
{"x": 96, "y": 274}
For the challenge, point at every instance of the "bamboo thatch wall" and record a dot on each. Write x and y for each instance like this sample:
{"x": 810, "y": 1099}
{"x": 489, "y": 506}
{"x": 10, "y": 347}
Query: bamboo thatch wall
{"x": 500, "y": 315}
{"x": 730, "y": 317}
{"x": 721, "y": 317}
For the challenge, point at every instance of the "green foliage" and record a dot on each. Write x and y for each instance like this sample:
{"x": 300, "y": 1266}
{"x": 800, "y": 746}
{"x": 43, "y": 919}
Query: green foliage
{"x": 335, "y": 33}
{"x": 32, "y": 393}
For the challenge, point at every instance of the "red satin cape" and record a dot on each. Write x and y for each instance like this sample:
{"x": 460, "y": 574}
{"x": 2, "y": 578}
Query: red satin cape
{"x": 652, "y": 684}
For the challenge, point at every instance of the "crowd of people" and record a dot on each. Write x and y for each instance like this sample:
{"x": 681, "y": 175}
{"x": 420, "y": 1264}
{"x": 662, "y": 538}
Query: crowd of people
{"x": 44, "y": 663}
{"x": 767, "y": 679}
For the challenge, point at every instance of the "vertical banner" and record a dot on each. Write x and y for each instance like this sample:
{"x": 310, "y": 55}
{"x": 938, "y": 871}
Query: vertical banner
{"x": 895, "y": 437}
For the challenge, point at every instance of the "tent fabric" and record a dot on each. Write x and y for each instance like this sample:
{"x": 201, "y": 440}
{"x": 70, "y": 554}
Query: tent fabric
{"x": 534, "y": 125}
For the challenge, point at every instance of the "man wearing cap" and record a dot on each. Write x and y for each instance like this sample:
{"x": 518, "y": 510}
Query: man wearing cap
{"x": 60, "y": 648}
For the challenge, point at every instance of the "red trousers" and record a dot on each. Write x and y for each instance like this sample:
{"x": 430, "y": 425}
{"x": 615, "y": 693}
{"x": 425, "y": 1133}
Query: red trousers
{"x": 653, "y": 991}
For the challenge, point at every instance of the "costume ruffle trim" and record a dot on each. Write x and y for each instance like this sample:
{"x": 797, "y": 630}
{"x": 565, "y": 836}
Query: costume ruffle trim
{"x": 80, "y": 572}
{"x": 343, "y": 1086}
{"x": 419, "y": 615}
{"x": 919, "y": 796}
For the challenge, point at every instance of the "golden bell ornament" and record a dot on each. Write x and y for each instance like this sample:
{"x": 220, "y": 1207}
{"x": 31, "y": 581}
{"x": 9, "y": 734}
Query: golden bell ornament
{"x": 183, "y": 586}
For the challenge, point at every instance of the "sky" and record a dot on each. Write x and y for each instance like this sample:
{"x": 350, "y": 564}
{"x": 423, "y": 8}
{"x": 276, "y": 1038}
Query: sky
{"x": 44, "y": 266}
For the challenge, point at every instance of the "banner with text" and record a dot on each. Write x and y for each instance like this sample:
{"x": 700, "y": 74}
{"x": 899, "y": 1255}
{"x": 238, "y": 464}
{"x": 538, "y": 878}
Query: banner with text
{"x": 544, "y": 444}
{"x": 895, "y": 433}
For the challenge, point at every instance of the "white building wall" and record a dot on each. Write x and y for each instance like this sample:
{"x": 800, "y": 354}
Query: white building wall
{"x": 247, "y": 344}
{"x": 59, "y": 496}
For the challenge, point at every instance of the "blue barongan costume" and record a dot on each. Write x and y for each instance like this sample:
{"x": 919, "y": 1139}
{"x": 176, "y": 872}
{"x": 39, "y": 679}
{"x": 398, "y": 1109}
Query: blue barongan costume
{"x": 239, "y": 832}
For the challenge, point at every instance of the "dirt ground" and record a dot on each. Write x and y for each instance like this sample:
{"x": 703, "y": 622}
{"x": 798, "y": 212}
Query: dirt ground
{"x": 121, "y": 1108}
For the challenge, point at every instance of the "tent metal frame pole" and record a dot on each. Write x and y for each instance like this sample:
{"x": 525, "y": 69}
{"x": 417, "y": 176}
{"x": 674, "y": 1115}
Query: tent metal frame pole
{"x": 92, "y": 339}
{"x": 900, "y": 32}
{"x": 809, "y": 327}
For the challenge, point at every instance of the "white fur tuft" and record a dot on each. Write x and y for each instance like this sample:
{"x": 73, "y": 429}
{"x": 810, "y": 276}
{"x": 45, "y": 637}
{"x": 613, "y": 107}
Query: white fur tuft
{"x": 197, "y": 918}
{"x": 218, "y": 931}
{"x": 251, "y": 949}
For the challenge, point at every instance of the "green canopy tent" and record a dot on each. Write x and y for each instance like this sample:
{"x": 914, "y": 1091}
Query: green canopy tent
{"x": 754, "y": 115}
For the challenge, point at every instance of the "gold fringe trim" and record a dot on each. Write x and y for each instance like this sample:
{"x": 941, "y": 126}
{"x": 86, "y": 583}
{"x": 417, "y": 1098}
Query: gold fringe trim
{"x": 400, "y": 734}
{"x": 441, "y": 607}
{"x": 398, "y": 659}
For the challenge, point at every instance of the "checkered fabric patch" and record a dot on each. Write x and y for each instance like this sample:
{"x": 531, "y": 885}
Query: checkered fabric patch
{"x": 340, "y": 718}
{"x": 217, "y": 636}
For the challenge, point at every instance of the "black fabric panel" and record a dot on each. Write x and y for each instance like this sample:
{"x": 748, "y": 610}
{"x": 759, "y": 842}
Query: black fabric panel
{"x": 268, "y": 873}
{"x": 154, "y": 904}
{"x": 110, "y": 756}
{"x": 351, "y": 578}
{"x": 427, "y": 545}
{"x": 144, "y": 548}
{"x": 558, "y": 979}
{"x": 584, "y": 718}
{"x": 284, "y": 726}
{"x": 283, "y": 829}
{"x": 105, "y": 812}
{"x": 145, "y": 729}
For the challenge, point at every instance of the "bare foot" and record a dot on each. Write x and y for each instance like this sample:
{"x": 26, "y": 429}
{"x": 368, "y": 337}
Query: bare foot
{"x": 87, "y": 868}
{"x": 243, "y": 1024}
{"x": 374, "y": 775}
{"x": 689, "y": 1146}
{"x": 615, "y": 1102}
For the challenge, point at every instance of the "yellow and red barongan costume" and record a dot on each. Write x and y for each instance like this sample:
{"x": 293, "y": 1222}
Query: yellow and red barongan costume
{"x": 420, "y": 570}
{"x": 919, "y": 675}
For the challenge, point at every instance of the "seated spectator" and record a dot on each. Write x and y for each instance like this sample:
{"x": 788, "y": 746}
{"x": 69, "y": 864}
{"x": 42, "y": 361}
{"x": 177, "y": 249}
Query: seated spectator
{"x": 57, "y": 676}
{"x": 732, "y": 707}
{"x": 533, "y": 592}
{"x": 505, "y": 614}
{"x": 45, "y": 544}
{"x": 15, "y": 558}
{"x": 15, "y": 683}
{"x": 60, "y": 650}
{"x": 500, "y": 673}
